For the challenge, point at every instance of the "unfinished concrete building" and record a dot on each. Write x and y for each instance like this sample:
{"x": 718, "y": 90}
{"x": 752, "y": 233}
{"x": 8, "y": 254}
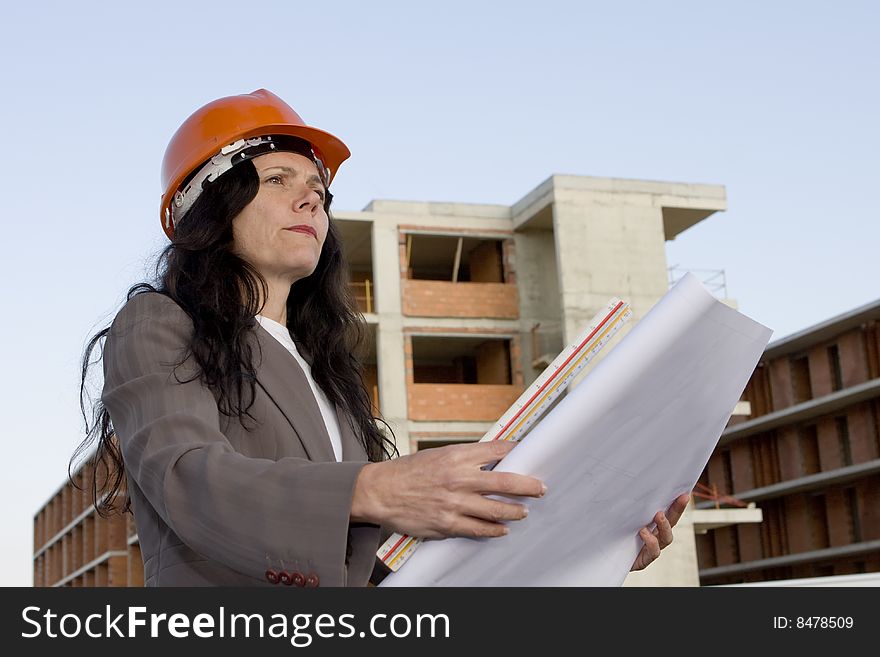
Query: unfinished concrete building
{"x": 466, "y": 305}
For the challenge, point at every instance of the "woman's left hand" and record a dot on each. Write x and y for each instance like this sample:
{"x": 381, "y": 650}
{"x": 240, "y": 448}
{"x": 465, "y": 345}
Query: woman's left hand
{"x": 661, "y": 536}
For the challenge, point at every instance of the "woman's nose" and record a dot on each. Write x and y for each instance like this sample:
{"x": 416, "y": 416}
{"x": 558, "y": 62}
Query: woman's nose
{"x": 310, "y": 200}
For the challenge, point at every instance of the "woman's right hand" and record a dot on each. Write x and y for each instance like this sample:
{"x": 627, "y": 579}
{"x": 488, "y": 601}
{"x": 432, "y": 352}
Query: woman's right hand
{"x": 440, "y": 492}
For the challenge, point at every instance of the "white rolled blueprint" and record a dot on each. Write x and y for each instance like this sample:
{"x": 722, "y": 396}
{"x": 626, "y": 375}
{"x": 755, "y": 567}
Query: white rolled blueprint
{"x": 626, "y": 441}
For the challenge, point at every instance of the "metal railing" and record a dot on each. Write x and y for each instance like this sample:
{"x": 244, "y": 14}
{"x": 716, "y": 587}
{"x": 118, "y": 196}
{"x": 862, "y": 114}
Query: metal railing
{"x": 715, "y": 280}
{"x": 363, "y": 294}
{"x": 712, "y": 493}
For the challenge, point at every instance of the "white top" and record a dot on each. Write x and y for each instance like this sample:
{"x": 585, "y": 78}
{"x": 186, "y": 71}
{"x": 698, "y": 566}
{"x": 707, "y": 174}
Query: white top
{"x": 328, "y": 412}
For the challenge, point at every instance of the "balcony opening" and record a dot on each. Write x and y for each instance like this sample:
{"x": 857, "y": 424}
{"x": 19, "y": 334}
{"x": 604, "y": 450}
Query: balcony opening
{"x": 765, "y": 459}
{"x": 357, "y": 241}
{"x": 475, "y": 360}
{"x": 367, "y": 355}
{"x": 727, "y": 469}
{"x": 800, "y": 379}
{"x": 809, "y": 436}
{"x": 817, "y": 513}
{"x": 834, "y": 362}
{"x": 843, "y": 442}
{"x": 852, "y": 507}
{"x": 456, "y": 259}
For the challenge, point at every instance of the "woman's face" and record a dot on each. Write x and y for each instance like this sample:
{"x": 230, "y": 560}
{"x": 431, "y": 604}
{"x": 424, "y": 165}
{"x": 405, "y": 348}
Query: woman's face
{"x": 281, "y": 232}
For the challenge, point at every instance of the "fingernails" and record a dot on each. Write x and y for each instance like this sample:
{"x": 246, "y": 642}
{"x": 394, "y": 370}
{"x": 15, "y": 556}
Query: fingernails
{"x": 525, "y": 511}
{"x": 543, "y": 489}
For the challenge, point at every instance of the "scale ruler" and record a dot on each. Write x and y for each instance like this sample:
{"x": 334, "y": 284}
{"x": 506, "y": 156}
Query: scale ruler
{"x": 533, "y": 403}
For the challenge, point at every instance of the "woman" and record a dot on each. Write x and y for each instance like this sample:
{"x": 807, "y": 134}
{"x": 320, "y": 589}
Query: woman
{"x": 243, "y": 432}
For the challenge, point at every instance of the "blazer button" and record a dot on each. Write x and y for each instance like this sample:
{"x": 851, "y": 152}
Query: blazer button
{"x": 285, "y": 578}
{"x": 272, "y": 576}
{"x": 298, "y": 579}
{"x": 312, "y": 581}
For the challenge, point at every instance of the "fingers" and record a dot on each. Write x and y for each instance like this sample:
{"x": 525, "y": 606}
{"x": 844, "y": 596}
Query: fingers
{"x": 490, "y": 451}
{"x": 676, "y": 509}
{"x": 484, "y": 508}
{"x": 664, "y": 530}
{"x": 479, "y": 516}
{"x": 661, "y": 537}
{"x": 477, "y": 528}
{"x": 443, "y": 492}
{"x": 649, "y": 552}
{"x": 488, "y": 482}
{"x": 509, "y": 483}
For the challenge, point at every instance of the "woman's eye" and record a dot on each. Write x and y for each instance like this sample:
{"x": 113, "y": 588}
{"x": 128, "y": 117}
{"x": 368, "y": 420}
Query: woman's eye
{"x": 271, "y": 178}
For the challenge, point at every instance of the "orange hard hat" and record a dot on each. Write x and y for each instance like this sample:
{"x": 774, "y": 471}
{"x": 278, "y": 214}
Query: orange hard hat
{"x": 224, "y": 127}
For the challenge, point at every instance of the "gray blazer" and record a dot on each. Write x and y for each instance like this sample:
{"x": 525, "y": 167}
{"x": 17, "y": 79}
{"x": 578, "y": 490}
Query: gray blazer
{"x": 213, "y": 503}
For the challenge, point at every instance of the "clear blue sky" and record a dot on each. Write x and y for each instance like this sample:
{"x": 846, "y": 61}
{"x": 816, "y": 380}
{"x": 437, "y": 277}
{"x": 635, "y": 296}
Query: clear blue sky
{"x": 454, "y": 101}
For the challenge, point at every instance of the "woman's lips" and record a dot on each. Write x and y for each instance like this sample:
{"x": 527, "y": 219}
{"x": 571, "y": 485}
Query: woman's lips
{"x": 304, "y": 229}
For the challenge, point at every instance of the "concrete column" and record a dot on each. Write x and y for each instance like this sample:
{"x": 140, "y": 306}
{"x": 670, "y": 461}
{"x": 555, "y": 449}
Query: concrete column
{"x": 608, "y": 244}
{"x": 389, "y": 334}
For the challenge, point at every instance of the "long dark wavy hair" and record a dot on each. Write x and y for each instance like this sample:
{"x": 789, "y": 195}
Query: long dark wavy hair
{"x": 221, "y": 293}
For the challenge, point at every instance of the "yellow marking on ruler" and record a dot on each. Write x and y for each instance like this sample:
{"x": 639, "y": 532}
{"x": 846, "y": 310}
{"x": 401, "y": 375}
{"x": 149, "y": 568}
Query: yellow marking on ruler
{"x": 401, "y": 553}
{"x": 553, "y": 388}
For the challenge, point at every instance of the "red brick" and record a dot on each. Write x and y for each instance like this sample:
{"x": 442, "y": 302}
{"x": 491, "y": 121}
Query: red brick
{"x": 749, "y": 542}
{"x": 830, "y": 457}
{"x": 446, "y": 299}
{"x": 741, "y": 467}
{"x": 780, "y": 384}
{"x": 457, "y": 401}
{"x": 798, "y": 533}
{"x": 789, "y": 453}
{"x": 853, "y": 358}
{"x": 862, "y": 433}
{"x": 820, "y": 371}
{"x": 868, "y": 492}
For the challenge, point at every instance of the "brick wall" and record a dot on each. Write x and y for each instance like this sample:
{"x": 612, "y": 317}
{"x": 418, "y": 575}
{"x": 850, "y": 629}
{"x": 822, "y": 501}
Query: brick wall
{"x": 840, "y": 529}
{"x": 830, "y": 456}
{"x": 749, "y": 542}
{"x": 789, "y": 453}
{"x": 87, "y": 538}
{"x": 797, "y": 529}
{"x": 780, "y": 383}
{"x": 458, "y": 401}
{"x": 726, "y": 546}
{"x": 463, "y": 299}
{"x": 872, "y": 348}
{"x": 758, "y": 392}
{"x": 742, "y": 467}
{"x": 835, "y": 516}
{"x": 853, "y": 358}
{"x": 820, "y": 371}
{"x": 863, "y": 432}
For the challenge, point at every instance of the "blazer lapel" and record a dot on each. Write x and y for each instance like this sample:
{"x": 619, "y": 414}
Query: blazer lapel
{"x": 352, "y": 449}
{"x": 282, "y": 378}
